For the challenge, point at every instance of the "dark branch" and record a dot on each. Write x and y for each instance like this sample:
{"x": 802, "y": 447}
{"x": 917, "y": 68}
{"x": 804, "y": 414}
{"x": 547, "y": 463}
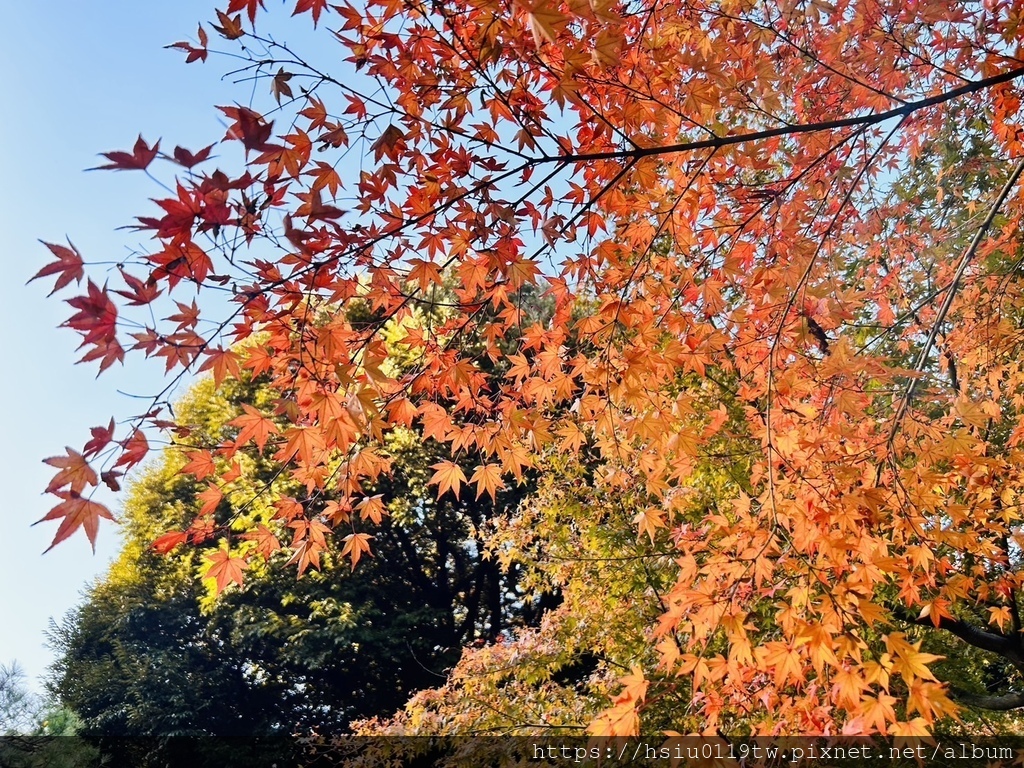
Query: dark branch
{"x": 1008, "y": 701}
{"x": 993, "y": 642}
{"x": 787, "y": 130}
{"x": 1006, "y": 646}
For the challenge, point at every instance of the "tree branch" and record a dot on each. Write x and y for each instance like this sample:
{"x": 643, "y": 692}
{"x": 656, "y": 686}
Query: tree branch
{"x": 787, "y": 130}
{"x": 1008, "y": 701}
{"x": 1005, "y": 646}
{"x": 979, "y": 638}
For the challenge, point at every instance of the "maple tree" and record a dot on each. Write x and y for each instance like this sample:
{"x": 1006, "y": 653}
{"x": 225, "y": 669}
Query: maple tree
{"x": 709, "y": 196}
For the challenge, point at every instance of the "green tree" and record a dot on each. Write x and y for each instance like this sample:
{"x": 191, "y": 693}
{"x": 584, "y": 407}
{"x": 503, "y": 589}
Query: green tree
{"x": 18, "y": 707}
{"x": 154, "y": 661}
{"x": 35, "y": 732}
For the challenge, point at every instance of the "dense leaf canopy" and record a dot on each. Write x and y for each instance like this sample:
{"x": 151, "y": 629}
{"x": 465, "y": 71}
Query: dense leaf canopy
{"x": 780, "y": 236}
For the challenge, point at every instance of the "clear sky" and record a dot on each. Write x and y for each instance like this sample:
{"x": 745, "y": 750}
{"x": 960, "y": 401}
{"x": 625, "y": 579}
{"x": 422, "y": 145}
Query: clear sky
{"x": 79, "y": 79}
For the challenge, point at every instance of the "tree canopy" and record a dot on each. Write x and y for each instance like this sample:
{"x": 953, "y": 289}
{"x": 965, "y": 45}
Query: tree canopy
{"x": 779, "y": 239}
{"x": 152, "y": 660}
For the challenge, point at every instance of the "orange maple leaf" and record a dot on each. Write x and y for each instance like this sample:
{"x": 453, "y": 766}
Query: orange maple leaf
{"x": 167, "y": 542}
{"x": 355, "y": 545}
{"x": 546, "y": 21}
{"x": 77, "y": 512}
{"x": 648, "y": 520}
{"x": 200, "y": 464}
{"x": 230, "y": 27}
{"x": 634, "y": 685}
{"x": 301, "y": 442}
{"x": 222, "y": 362}
{"x": 372, "y": 508}
{"x": 74, "y": 471}
{"x": 448, "y": 477}
{"x": 254, "y": 426}
{"x": 488, "y": 479}
{"x": 620, "y": 720}
{"x": 266, "y": 542}
{"x": 785, "y": 658}
{"x": 225, "y": 568}
{"x": 306, "y": 553}
{"x": 210, "y": 499}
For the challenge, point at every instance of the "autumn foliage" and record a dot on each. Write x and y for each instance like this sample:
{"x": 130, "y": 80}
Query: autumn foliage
{"x": 758, "y": 256}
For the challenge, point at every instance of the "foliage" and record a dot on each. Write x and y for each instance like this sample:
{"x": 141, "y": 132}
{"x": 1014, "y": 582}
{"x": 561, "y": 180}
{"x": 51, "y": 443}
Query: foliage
{"x": 711, "y": 196}
{"x": 35, "y": 733}
{"x": 580, "y": 570}
{"x": 18, "y": 707}
{"x": 154, "y": 666}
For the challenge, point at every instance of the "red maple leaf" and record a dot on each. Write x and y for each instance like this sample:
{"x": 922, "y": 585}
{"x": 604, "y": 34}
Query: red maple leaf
{"x": 140, "y": 293}
{"x": 249, "y": 127}
{"x": 314, "y": 6}
{"x": 195, "y": 53}
{"x": 67, "y": 267}
{"x": 135, "y": 449}
{"x": 110, "y": 479}
{"x": 96, "y": 317}
{"x": 101, "y": 437}
{"x": 138, "y": 160}
{"x": 249, "y": 6}
{"x": 185, "y": 158}
{"x": 96, "y": 321}
{"x": 74, "y": 471}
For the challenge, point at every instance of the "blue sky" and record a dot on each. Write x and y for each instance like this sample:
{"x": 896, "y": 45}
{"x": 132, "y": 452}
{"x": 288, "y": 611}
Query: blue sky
{"x": 80, "y": 78}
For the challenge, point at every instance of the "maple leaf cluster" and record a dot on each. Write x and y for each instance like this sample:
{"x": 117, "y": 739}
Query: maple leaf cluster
{"x": 713, "y": 200}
